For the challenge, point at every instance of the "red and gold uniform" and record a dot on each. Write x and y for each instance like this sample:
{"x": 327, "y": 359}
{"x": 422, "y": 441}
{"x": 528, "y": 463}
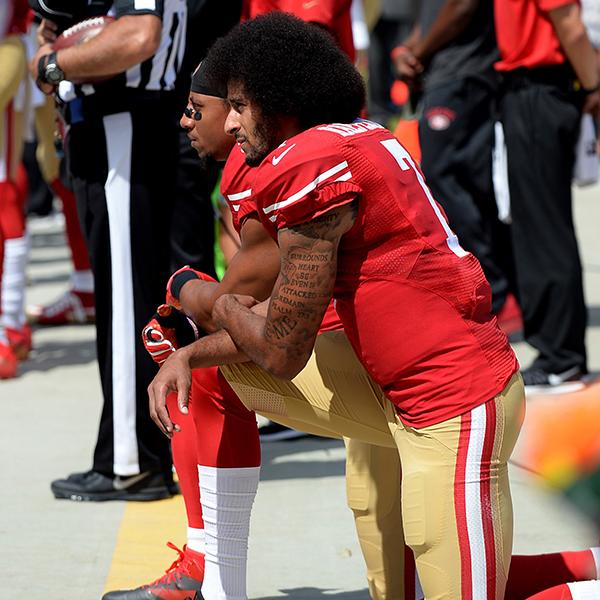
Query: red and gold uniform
{"x": 13, "y": 244}
{"x": 415, "y": 305}
{"x": 13, "y": 23}
{"x": 372, "y": 471}
{"x": 416, "y": 309}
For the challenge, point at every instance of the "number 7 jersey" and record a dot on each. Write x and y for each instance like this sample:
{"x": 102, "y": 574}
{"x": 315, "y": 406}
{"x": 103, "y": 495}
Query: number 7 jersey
{"x": 415, "y": 305}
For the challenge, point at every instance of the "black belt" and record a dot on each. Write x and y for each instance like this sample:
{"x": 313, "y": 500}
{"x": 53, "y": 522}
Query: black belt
{"x": 559, "y": 76}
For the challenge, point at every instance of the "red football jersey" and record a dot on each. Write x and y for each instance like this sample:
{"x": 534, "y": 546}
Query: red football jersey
{"x": 415, "y": 305}
{"x": 236, "y": 188}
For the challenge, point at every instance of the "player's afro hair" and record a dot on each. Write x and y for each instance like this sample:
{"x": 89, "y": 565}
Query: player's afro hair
{"x": 291, "y": 68}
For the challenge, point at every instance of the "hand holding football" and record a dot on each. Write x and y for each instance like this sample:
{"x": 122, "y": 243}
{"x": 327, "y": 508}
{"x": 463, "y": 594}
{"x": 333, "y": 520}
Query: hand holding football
{"x": 80, "y": 33}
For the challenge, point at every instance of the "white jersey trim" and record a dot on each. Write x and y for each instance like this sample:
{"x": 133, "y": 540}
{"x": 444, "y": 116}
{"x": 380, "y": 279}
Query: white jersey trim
{"x": 310, "y": 187}
{"x": 240, "y": 195}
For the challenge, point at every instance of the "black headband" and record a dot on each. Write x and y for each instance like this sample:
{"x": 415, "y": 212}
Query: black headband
{"x": 203, "y": 83}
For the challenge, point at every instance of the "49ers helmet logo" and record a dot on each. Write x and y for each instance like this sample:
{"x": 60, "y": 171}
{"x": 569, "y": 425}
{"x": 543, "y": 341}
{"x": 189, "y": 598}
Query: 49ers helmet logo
{"x": 440, "y": 117}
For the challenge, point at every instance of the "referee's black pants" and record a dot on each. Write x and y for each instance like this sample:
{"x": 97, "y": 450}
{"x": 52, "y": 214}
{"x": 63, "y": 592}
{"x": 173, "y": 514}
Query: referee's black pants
{"x": 456, "y": 133}
{"x": 193, "y": 223}
{"x": 123, "y": 168}
{"x": 541, "y": 119}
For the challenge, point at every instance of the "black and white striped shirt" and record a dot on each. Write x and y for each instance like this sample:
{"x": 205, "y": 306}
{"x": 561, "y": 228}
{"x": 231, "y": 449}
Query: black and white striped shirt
{"x": 160, "y": 71}
{"x": 156, "y": 74}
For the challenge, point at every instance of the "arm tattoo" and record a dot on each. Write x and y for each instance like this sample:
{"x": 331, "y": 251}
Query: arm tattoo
{"x": 305, "y": 284}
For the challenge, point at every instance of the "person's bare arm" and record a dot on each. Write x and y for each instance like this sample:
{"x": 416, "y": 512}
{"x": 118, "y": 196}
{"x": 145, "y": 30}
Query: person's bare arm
{"x": 575, "y": 42}
{"x": 454, "y": 18}
{"x": 414, "y": 37}
{"x": 282, "y": 342}
{"x": 46, "y": 32}
{"x": 123, "y": 43}
{"x": 252, "y": 271}
{"x": 407, "y": 66}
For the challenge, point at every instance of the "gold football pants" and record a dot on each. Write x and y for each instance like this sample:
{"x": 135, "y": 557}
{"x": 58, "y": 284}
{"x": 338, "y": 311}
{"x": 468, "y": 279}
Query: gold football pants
{"x": 455, "y": 510}
{"x": 45, "y": 126}
{"x": 13, "y": 69}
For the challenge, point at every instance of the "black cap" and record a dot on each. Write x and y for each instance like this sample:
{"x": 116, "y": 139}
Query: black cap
{"x": 206, "y": 82}
{"x": 66, "y": 13}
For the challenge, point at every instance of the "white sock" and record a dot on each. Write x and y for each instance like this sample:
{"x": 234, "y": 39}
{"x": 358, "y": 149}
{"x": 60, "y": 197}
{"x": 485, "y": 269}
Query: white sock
{"x": 227, "y": 496}
{"x": 584, "y": 590}
{"x": 195, "y": 540}
{"x": 82, "y": 281}
{"x": 13, "y": 282}
{"x": 596, "y": 554}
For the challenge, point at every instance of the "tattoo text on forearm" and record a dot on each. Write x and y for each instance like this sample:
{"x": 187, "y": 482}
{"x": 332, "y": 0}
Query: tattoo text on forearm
{"x": 305, "y": 284}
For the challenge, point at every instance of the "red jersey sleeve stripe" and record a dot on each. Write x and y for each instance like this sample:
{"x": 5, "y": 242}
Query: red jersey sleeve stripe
{"x": 307, "y": 188}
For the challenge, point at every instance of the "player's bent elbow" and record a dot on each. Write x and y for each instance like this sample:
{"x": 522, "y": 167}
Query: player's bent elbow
{"x": 284, "y": 367}
{"x": 202, "y": 318}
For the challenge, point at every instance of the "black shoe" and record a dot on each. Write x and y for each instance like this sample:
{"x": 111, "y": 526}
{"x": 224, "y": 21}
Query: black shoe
{"x": 96, "y": 487}
{"x": 538, "y": 381}
{"x": 274, "y": 432}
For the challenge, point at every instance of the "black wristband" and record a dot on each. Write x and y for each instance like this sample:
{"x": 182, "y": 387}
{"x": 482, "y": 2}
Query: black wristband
{"x": 180, "y": 280}
{"x": 593, "y": 90}
{"x": 44, "y": 60}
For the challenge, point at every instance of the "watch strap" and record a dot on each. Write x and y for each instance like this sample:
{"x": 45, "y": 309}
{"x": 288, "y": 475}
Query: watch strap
{"x": 592, "y": 90}
{"x": 42, "y": 66}
{"x": 43, "y": 63}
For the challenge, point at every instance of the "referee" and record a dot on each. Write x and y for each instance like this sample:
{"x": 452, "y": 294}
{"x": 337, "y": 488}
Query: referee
{"x": 122, "y": 152}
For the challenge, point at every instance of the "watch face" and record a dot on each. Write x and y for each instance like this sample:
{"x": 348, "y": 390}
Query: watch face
{"x": 54, "y": 74}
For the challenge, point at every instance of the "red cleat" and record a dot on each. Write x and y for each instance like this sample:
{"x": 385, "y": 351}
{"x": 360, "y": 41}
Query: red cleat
{"x": 181, "y": 581}
{"x": 20, "y": 341}
{"x": 8, "y": 362}
{"x": 71, "y": 307}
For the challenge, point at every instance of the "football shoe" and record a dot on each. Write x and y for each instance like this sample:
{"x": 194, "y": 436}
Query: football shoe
{"x": 181, "y": 581}
{"x": 8, "y": 362}
{"x": 20, "y": 341}
{"x": 71, "y": 307}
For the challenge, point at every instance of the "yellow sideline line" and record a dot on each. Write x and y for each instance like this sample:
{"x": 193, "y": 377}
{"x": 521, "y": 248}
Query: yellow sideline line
{"x": 141, "y": 554}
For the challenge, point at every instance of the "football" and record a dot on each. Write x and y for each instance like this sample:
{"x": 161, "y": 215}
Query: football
{"x": 81, "y": 32}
